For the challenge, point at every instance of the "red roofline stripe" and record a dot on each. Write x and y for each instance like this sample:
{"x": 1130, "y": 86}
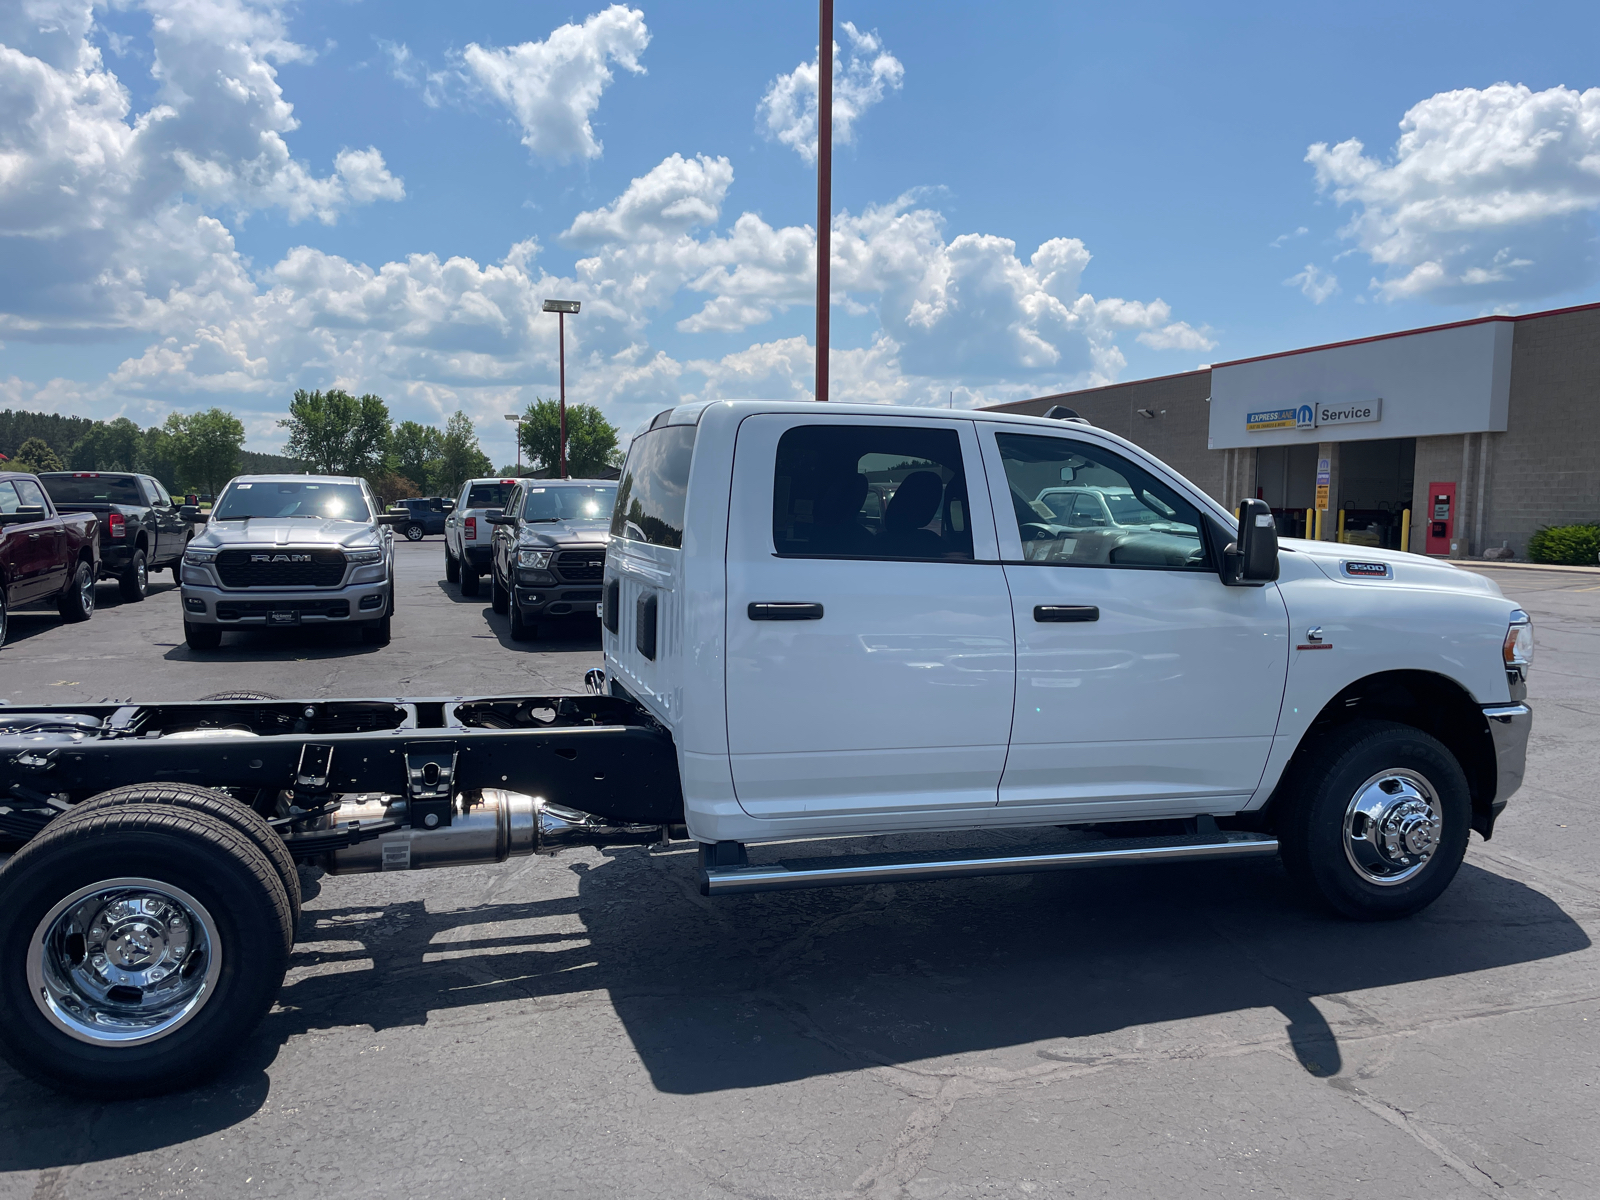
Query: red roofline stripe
{"x": 1383, "y": 337}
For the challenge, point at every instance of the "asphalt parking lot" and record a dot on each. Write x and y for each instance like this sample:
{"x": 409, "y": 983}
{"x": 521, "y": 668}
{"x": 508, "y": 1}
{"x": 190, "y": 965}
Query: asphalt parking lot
{"x": 589, "y": 1025}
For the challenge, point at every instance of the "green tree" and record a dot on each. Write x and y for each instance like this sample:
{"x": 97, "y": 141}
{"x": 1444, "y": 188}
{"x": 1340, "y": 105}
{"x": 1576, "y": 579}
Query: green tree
{"x": 206, "y": 446}
{"x": 36, "y": 455}
{"x": 460, "y": 457}
{"x": 107, "y": 446}
{"x": 158, "y": 456}
{"x": 414, "y": 451}
{"x": 337, "y": 433}
{"x": 591, "y": 439}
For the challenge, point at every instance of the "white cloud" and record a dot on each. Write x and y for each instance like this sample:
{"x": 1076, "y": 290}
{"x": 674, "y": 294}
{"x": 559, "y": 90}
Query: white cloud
{"x": 1489, "y": 194}
{"x": 1278, "y": 242}
{"x": 1315, "y": 285}
{"x": 553, "y": 87}
{"x": 861, "y": 78}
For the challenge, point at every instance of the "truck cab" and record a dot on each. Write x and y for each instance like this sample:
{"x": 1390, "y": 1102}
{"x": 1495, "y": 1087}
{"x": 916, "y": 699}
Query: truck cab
{"x": 960, "y": 656}
{"x": 467, "y": 532}
{"x": 549, "y": 550}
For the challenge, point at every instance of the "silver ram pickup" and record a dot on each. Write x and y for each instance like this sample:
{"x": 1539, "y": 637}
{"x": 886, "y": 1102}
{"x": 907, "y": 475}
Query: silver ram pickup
{"x": 288, "y": 550}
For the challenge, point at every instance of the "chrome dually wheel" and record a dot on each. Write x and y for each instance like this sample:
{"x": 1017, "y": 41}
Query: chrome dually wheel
{"x": 1392, "y": 826}
{"x": 124, "y": 961}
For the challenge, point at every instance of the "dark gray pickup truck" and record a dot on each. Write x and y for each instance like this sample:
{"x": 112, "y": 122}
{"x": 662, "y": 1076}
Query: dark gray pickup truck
{"x": 141, "y": 528}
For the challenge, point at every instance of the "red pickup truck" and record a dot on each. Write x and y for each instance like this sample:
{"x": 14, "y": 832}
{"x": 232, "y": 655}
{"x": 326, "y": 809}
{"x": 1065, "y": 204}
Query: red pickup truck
{"x": 46, "y": 557}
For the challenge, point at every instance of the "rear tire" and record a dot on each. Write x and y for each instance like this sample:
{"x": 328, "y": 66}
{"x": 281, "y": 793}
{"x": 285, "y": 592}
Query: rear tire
{"x": 135, "y": 581}
{"x": 5, "y": 620}
{"x": 239, "y": 817}
{"x": 77, "y": 602}
{"x": 469, "y": 580}
{"x": 452, "y": 567}
{"x": 1376, "y": 820}
{"x": 202, "y": 637}
{"x": 241, "y": 696}
{"x": 415, "y": 532}
{"x": 499, "y": 595}
{"x": 168, "y": 922}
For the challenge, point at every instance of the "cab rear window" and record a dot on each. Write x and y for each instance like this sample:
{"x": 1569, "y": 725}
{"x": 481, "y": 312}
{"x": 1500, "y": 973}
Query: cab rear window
{"x": 654, "y": 487}
{"x": 92, "y": 489}
{"x": 489, "y": 495}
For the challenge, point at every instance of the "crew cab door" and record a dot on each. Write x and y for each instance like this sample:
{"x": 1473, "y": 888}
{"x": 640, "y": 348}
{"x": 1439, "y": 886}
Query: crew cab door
{"x": 1144, "y": 685}
{"x": 869, "y": 670}
{"x": 168, "y": 533}
{"x": 40, "y": 545}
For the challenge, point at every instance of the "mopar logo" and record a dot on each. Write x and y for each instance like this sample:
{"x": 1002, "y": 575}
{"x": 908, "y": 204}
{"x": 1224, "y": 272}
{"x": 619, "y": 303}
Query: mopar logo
{"x": 272, "y": 558}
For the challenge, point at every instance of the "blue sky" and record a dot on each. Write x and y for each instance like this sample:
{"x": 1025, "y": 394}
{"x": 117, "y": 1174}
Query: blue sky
{"x": 217, "y": 201}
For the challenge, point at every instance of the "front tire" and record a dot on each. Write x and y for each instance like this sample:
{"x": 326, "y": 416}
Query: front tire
{"x": 77, "y": 602}
{"x": 522, "y": 629}
{"x": 499, "y": 594}
{"x": 134, "y": 583}
{"x": 201, "y": 637}
{"x": 414, "y": 532}
{"x": 1376, "y": 821}
{"x": 143, "y": 944}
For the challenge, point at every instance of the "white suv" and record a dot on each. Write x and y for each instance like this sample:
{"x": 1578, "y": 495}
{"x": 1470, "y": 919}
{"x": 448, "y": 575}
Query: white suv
{"x": 467, "y": 549}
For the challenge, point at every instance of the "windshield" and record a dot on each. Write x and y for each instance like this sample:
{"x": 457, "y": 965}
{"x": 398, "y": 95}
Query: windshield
{"x": 92, "y": 489}
{"x": 569, "y": 504}
{"x": 1125, "y": 510}
{"x": 318, "y": 501}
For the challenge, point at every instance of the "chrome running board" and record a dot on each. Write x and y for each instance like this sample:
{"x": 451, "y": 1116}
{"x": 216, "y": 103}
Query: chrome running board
{"x": 899, "y": 868}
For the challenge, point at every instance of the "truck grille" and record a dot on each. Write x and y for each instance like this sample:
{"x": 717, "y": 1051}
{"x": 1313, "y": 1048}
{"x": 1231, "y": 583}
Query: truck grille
{"x": 581, "y": 566}
{"x": 280, "y": 568}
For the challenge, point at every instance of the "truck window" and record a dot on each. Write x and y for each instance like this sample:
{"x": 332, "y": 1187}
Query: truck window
{"x": 654, "y": 487}
{"x": 9, "y": 501}
{"x": 269, "y": 499}
{"x": 569, "y": 503}
{"x": 92, "y": 489}
{"x": 1078, "y": 505}
{"x": 871, "y": 491}
{"x": 32, "y": 497}
{"x": 488, "y": 495}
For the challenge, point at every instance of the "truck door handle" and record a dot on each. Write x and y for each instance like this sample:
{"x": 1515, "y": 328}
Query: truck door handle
{"x": 33, "y": 537}
{"x": 1065, "y": 612}
{"x": 785, "y": 611}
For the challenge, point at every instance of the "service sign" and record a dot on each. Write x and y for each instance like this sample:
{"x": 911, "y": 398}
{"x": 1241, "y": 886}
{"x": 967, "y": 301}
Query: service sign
{"x": 1350, "y": 414}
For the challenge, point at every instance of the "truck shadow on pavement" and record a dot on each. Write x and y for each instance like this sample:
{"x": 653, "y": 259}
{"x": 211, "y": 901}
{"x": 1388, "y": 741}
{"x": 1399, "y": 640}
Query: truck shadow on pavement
{"x": 747, "y": 992}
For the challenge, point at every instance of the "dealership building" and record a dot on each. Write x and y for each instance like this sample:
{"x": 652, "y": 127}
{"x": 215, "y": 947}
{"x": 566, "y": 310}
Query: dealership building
{"x": 1450, "y": 440}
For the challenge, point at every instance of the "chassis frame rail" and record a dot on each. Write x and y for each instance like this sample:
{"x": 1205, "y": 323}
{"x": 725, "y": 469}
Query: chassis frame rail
{"x": 601, "y": 754}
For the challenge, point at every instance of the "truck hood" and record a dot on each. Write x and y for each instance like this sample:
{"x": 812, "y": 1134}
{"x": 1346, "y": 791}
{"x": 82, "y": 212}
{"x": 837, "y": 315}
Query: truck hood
{"x": 1406, "y": 570}
{"x": 298, "y": 531}
{"x": 566, "y": 533}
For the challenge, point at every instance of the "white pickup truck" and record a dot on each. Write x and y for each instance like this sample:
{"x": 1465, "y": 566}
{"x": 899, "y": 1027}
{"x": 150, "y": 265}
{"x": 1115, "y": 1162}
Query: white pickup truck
{"x": 850, "y": 626}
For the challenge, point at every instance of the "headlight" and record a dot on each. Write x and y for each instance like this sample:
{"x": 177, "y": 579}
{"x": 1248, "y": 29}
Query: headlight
{"x": 365, "y": 556}
{"x": 1518, "y": 648}
{"x": 199, "y": 558}
{"x": 536, "y": 560}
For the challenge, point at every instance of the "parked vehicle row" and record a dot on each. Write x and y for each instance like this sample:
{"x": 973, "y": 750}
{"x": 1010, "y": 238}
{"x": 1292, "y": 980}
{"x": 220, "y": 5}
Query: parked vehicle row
{"x": 541, "y": 541}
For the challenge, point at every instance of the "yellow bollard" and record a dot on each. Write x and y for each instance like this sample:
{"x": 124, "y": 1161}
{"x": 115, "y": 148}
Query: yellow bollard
{"x": 1405, "y": 531}
{"x": 1318, "y": 537}
{"x": 1341, "y": 526}
{"x": 1311, "y": 519}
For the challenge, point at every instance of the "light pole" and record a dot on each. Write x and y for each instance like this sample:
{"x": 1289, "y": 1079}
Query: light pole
{"x": 517, "y": 417}
{"x": 561, "y": 308}
{"x": 824, "y": 186}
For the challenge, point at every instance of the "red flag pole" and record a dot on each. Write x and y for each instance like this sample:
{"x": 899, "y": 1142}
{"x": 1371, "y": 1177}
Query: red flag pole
{"x": 824, "y": 186}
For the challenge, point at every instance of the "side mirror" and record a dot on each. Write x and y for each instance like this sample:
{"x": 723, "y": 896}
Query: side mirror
{"x": 23, "y": 514}
{"x": 189, "y": 513}
{"x": 500, "y": 518}
{"x": 1252, "y": 558}
{"x": 394, "y": 520}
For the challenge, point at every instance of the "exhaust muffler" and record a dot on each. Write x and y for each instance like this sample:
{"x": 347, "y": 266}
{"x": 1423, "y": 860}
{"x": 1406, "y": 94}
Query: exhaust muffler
{"x": 491, "y": 828}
